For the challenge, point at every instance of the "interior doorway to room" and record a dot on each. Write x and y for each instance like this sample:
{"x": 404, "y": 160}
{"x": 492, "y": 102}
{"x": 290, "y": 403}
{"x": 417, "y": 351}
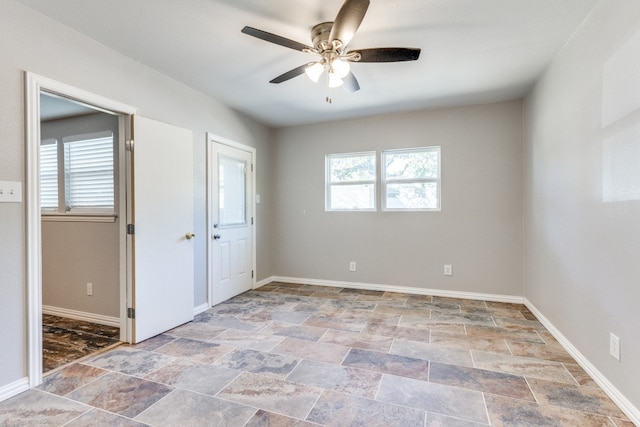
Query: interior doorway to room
{"x": 231, "y": 244}
{"x": 80, "y": 229}
{"x": 155, "y": 240}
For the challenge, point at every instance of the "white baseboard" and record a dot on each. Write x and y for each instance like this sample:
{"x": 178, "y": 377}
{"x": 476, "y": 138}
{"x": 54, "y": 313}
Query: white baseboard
{"x": 623, "y": 403}
{"x": 81, "y": 315}
{"x": 394, "y": 288}
{"x": 200, "y": 309}
{"x": 263, "y": 282}
{"x": 14, "y": 388}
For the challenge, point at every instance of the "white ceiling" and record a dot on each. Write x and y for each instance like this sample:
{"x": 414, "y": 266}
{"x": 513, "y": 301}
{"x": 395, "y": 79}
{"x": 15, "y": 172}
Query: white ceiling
{"x": 473, "y": 51}
{"x": 54, "y": 107}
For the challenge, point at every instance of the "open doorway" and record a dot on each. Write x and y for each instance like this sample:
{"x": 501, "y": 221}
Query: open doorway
{"x": 156, "y": 254}
{"x": 34, "y": 86}
{"x": 80, "y": 224}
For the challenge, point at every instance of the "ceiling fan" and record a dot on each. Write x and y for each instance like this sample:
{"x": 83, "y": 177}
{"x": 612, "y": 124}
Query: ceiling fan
{"x": 330, "y": 40}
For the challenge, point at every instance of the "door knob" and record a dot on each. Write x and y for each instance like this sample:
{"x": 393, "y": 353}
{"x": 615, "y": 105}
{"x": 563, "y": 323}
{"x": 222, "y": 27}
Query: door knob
{"x": 216, "y": 236}
{"x": 189, "y": 236}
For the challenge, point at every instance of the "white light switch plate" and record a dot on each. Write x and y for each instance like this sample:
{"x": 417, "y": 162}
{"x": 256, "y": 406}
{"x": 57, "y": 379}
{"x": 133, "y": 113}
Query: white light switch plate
{"x": 10, "y": 192}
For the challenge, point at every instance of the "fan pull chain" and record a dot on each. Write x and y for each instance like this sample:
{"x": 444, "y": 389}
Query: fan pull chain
{"x": 328, "y": 98}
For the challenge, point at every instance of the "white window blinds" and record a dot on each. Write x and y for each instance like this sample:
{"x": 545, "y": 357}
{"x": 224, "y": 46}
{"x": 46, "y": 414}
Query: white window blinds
{"x": 88, "y": 168}
{"x": 77, "y": 174}
{"x": 49, "y": 175}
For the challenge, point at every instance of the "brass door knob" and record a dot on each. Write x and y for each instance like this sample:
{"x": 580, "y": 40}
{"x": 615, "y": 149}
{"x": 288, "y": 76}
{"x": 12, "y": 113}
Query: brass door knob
{"x": 189, "y": 236}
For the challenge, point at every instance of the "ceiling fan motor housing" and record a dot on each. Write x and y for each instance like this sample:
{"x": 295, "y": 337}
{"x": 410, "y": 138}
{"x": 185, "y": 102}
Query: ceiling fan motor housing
{"x": 320, "y": 36}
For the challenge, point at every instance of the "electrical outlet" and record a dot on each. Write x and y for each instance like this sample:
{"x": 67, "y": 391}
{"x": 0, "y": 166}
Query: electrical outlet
{"x": 614, "y": 346}
{"x": 448, "y": 270}
{"x": 352, "y": 266}
{"x": 89, "y": 289}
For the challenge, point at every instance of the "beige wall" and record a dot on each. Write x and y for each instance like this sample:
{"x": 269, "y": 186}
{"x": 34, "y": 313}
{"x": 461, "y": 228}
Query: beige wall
{"x": 29, "y": 41}
{"x": 582, "y": 192}
{"x": 77, "y": 253}
{"x": 478, "y": 230}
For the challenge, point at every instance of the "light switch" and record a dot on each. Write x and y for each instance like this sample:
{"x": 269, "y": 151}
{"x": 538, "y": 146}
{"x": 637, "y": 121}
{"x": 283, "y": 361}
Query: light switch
{"x": 10, "y": 192}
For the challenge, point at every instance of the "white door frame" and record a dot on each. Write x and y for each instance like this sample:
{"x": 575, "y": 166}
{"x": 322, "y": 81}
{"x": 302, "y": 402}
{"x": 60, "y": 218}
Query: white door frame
{"x": 212, "y": 167}
{"x": 33, "y": 85}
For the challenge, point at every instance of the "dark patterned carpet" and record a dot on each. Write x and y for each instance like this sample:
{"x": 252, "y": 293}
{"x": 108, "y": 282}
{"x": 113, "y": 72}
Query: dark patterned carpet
{"x": 66, "y": 340}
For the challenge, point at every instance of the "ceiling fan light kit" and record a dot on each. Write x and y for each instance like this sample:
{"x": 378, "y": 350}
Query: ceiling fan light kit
{"x": 330, "y": 40}
{"x": 336, "y": 67}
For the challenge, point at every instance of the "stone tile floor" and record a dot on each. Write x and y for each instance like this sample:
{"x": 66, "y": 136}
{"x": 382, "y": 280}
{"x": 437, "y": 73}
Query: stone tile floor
{"x": 65, "y": 340}
{"x": 299, "y": 355}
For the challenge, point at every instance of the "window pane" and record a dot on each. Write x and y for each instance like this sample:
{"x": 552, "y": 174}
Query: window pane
{"x": 353, "y": 196}
{"x": 347, "y": 168}
{"x": 49, "y": 175}
{"x": 411, "y": 164}
{"x": 89, "y": 173}
{"x": 232, "y": 192}
{"x": 412, "y": 195}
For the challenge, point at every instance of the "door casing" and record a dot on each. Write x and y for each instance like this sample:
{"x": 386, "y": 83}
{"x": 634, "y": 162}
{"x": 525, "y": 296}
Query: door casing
{"x": 34, "y": 84}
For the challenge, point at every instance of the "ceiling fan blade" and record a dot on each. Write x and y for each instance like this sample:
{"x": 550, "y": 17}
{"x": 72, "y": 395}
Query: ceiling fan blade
{"x": 351, "y": 83}
{"x": 388, "y": 54}
{"x": 348, "y": 20}
{"x": 274, "y": 38}
{"x": 290, "y": 74}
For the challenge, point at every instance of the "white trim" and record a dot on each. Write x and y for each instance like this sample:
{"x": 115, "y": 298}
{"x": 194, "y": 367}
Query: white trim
{"x": 14, "y": 388}
{"x": 35, "y": 83}
{"x": 78, "y": 218}
{"x": 263, "y": 282}
{"x": 33, "y": 229}
{"x": 619, "y": 399}
{"x": 404, "y": 289}
{"x": 216, "y": 139}
{"x": 200, "y": 309}
{"x": 81, "y": 315}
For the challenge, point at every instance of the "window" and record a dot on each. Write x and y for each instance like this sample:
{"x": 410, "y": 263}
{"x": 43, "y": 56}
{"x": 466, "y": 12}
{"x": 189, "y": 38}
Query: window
{"x": 411, "y": 179}
{"x": 351, "y": 181}
{"x": 232, "y": 182}
{"x": 83, "y": 180}
{"x": 49, "y": 175}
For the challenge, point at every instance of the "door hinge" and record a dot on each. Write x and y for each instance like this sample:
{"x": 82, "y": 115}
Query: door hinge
{"x": 131, "y": 229}
{"x": 128, "y": 145}
{"x": 251, "y": 167}
{"x": 251, "y": 220}
{"x": 252, "y": 274}
{"x": 131, "y": 313}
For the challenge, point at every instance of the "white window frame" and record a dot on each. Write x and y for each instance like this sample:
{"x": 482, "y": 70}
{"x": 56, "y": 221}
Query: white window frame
{"x": 329, "y": 184}
{"x": 385, "y": 180}
{"x": 63, "y": 210}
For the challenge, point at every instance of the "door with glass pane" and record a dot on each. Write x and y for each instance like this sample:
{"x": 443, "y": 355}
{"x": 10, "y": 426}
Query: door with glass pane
{"x": 231, "y": 233}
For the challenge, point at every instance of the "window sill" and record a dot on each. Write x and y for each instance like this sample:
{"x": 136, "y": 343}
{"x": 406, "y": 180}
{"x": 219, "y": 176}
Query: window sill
{"x": 78, "y": 218}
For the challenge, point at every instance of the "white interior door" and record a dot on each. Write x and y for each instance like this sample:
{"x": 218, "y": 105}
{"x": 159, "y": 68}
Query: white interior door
{"x": 162, "y": 212}
{"x": 231, "y": 233}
